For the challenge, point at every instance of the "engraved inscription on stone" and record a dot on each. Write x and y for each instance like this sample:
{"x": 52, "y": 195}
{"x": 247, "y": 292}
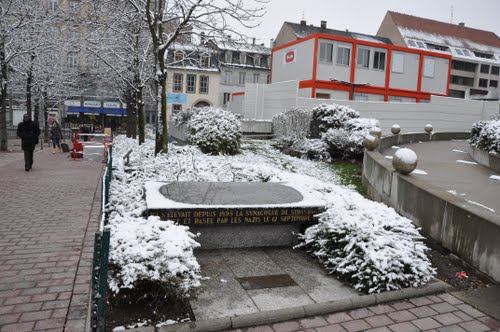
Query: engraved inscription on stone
{"x": 239, "y": 215}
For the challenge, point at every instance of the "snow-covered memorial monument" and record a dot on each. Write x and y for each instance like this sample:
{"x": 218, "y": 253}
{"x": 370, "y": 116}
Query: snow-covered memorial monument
{"x": 222, "y": 192}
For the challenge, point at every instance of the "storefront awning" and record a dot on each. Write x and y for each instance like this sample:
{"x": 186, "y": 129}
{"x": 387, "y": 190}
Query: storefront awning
{"x": 98, "y": 110}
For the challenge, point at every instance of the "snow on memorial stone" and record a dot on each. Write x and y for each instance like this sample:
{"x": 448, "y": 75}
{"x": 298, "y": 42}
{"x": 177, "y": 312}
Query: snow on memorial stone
{"x": 404, "y": 161}
{"x": 376, "y": 132}
{"x": 428, "y": 128}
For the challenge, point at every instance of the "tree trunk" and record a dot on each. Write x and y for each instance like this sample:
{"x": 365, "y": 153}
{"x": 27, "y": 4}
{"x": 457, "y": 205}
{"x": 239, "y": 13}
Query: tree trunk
{"x": 163, "y": 83}
{"x": 3, "y": 98}
{"x": 29, "y": 81}
{"x": 140, "y": 115}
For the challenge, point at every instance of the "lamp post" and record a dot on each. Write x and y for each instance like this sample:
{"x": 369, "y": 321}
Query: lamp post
{"x": 351, "y": 85}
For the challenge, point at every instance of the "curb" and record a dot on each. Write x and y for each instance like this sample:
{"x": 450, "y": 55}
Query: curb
{"x": 274, "y": 316}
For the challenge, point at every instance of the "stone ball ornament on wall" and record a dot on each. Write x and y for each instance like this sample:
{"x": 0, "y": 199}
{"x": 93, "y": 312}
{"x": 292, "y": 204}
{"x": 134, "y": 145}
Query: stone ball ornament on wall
{"x": 376, "y": 132}
{"x": 370, "y": 142}
{"x": 428, "y": 128}
{"x": 404, "y": 161}
{"x": 395, "y": 129}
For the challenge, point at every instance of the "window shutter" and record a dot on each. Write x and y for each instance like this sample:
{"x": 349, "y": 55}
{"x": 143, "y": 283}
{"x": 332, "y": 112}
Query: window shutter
{"x": 398, "y": 63}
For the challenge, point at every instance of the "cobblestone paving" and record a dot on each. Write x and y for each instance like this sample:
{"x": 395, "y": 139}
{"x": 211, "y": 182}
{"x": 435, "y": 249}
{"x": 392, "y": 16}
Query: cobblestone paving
{"x": 48, "y": 217}
{"x": 443, "y": 312}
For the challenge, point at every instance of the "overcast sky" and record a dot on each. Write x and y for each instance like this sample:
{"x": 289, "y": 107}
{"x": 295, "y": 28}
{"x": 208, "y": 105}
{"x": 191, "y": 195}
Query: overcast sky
{"x": 365, "y": 16}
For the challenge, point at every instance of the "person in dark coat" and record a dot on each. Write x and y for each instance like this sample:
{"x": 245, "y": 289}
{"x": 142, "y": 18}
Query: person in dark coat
{"x": 55, "y": 136}
{"x": 28, "y": 131}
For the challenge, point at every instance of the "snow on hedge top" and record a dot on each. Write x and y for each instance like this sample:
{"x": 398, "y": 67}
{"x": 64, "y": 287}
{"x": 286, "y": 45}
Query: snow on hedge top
{"x": 406, "y": 155}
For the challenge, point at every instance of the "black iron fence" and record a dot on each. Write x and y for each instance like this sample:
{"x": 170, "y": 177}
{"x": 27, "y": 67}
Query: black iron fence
{"x": 101, "y": 254}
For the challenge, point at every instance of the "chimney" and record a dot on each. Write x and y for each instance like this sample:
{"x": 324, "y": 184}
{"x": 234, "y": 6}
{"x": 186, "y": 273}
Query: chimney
{"x": 462, "y": 24}
{"x": 271, "y": 43}
{"x": 253, "y": 41}
{"x": 303, "y": 23}
{"x": 323, "y": 24}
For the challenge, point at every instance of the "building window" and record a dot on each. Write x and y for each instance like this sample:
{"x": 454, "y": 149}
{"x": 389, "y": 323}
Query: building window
{"x": 256, "y": 60}
{"x": 242, "y": 77}
{"x": 190, "y": 83}
{"x": 243, "y": 58}
{"x": 73, "y": 60}
{"x": 429, "y": 67}
{"x": 411, "y": 43}
{"x": 393, "y": 99}
{"x": 204, "y": 84}
{"x": 466, "y": 52}
{"x": 268, "y": 79}
{"x": 227, "y": 77}
{"x": 178, "y": 56}
{"x": 459, "y": 51}
{"x": 325, "y": 52}
{"x": 256, "y": 77}
{"x": 53, "y": 5}
{"x": 379, "y": 60}
{"x": 176, "y": 108}
{"x": 457, "y": 94}
{"x": 360, "y": 96}
{"x": 495, "y": 70}
{"x": 226, "y": 98}
{"x": 74, "y": 6}
{"x": 460, "y": 80}
{"x": 483, "y": 55}
{"x": 421, "y": 45}
{"x": 485, "y": 69}
{"x": 177, "y": 83}
{"x": 493, "y": 84}
{"x": 398, "y": 63}
{"x": 205, "y": 61}
{"x": 228, "y": 56}
{"x": 322, "y": 95}
{"x": 462, "y": 65}
{"x": 483, "y": 83}
{"x": 343, "y": 55}
{"x": 363, "y": 57}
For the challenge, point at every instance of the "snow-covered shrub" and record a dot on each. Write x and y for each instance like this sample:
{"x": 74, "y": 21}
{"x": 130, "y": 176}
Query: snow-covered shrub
{"x": 292, "y": 125}
{"x": 180, "y": 118}
{"x": 485, "y": 135}
{"x": 372, "y": 248}
{"x": 326, "y": 116}
{"x": 313, "y": 148}
{"x": 347, "y": 141}
{"x": 215, "y": 131}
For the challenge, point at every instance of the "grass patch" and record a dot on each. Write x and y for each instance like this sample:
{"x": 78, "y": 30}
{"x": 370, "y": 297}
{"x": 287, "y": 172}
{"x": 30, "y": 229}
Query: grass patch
{"x": 349, "y": 174}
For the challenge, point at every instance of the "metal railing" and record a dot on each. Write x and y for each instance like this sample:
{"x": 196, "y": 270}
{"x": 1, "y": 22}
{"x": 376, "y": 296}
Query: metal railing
{"x": 101, "y": 255}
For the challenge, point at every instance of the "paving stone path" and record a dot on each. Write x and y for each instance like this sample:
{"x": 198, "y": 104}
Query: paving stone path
{"x": 443, "y": 312}
{"x": 48, "y": 217}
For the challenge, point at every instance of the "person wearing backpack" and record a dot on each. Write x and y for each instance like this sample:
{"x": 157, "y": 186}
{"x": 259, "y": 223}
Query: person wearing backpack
{"x": 28, "y": 131}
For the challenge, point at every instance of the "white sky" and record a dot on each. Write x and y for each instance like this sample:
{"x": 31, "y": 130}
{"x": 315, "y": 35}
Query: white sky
{"x": 365, "y": 16}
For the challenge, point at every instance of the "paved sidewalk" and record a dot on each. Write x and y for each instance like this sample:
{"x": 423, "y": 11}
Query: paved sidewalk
{"x": 47, "y": 224}
{"x": 442, "y": 312}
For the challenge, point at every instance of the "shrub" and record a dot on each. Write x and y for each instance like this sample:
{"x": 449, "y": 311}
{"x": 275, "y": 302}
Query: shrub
{"x": 333, "y": 116}
{"x": 373, "y": 249}
{"x": 347, "y": 141}
{"x": 312, "y": 148}
{"x": 485, "y": 135}
{"x": 292, "y": 125}
{"x": 215, "y": 131}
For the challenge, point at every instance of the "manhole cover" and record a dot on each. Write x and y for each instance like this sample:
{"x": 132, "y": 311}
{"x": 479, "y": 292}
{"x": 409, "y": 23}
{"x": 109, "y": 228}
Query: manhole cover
{"x": 272, "y": 281}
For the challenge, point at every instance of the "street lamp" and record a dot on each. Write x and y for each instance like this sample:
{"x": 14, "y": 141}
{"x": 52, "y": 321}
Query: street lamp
{"x": 349, "y": 84}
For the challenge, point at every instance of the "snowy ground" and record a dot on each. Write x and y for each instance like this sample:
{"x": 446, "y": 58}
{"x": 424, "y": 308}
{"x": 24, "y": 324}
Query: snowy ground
{"x": 140, "y": 246}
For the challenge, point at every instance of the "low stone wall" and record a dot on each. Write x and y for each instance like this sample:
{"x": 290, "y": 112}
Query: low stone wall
{"x": 470, "y": 233}
{"x": 486, "y": 159}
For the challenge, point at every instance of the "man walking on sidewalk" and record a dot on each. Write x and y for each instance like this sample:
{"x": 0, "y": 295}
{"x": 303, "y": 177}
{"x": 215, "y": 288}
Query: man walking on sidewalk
{"x": 28, "y": 131}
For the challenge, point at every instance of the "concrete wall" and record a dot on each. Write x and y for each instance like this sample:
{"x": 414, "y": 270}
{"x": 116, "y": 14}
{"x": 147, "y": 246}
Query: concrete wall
{"x": 486, "y": 159}
{"x": 470, "y": 233}
{"x": 300, "y": 69}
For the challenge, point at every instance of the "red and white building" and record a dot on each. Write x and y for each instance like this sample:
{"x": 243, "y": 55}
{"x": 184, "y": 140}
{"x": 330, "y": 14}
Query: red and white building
{"x": 333, "y": 64}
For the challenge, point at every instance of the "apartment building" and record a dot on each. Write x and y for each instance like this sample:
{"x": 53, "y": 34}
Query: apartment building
{"x": 240, "y": 63}
{"x": 193, "y": 77}
{"x": 346, "y": 65}
{"x": 475, "y": 53}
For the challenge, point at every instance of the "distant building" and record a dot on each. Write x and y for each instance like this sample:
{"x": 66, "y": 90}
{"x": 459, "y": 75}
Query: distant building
{"x": 475, "y": 53}
{"x": 346, "y": 65}
{"x": 193, "y": 77}
{"x": 240, "y": 63}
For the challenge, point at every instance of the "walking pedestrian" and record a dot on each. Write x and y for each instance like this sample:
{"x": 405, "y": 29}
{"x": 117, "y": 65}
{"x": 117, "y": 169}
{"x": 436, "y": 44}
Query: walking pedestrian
{"x": 55, "y": 136}
{"x": 28, "y": 131}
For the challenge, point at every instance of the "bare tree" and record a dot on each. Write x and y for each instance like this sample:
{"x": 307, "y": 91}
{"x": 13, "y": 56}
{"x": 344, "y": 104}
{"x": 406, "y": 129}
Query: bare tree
{"x": 171, "y": 21}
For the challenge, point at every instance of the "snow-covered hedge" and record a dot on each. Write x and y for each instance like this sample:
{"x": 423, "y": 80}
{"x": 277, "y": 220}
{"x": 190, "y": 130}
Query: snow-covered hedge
{"x": 372, "y": 248}
{"x": 292, "y": 124}
{"x": 347, "y": 141}
{"x": 313, "y": 148}
{"x": 215, "y": 131}
{"x": 485, "y": 135}
{"x": 326, "y": 116}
